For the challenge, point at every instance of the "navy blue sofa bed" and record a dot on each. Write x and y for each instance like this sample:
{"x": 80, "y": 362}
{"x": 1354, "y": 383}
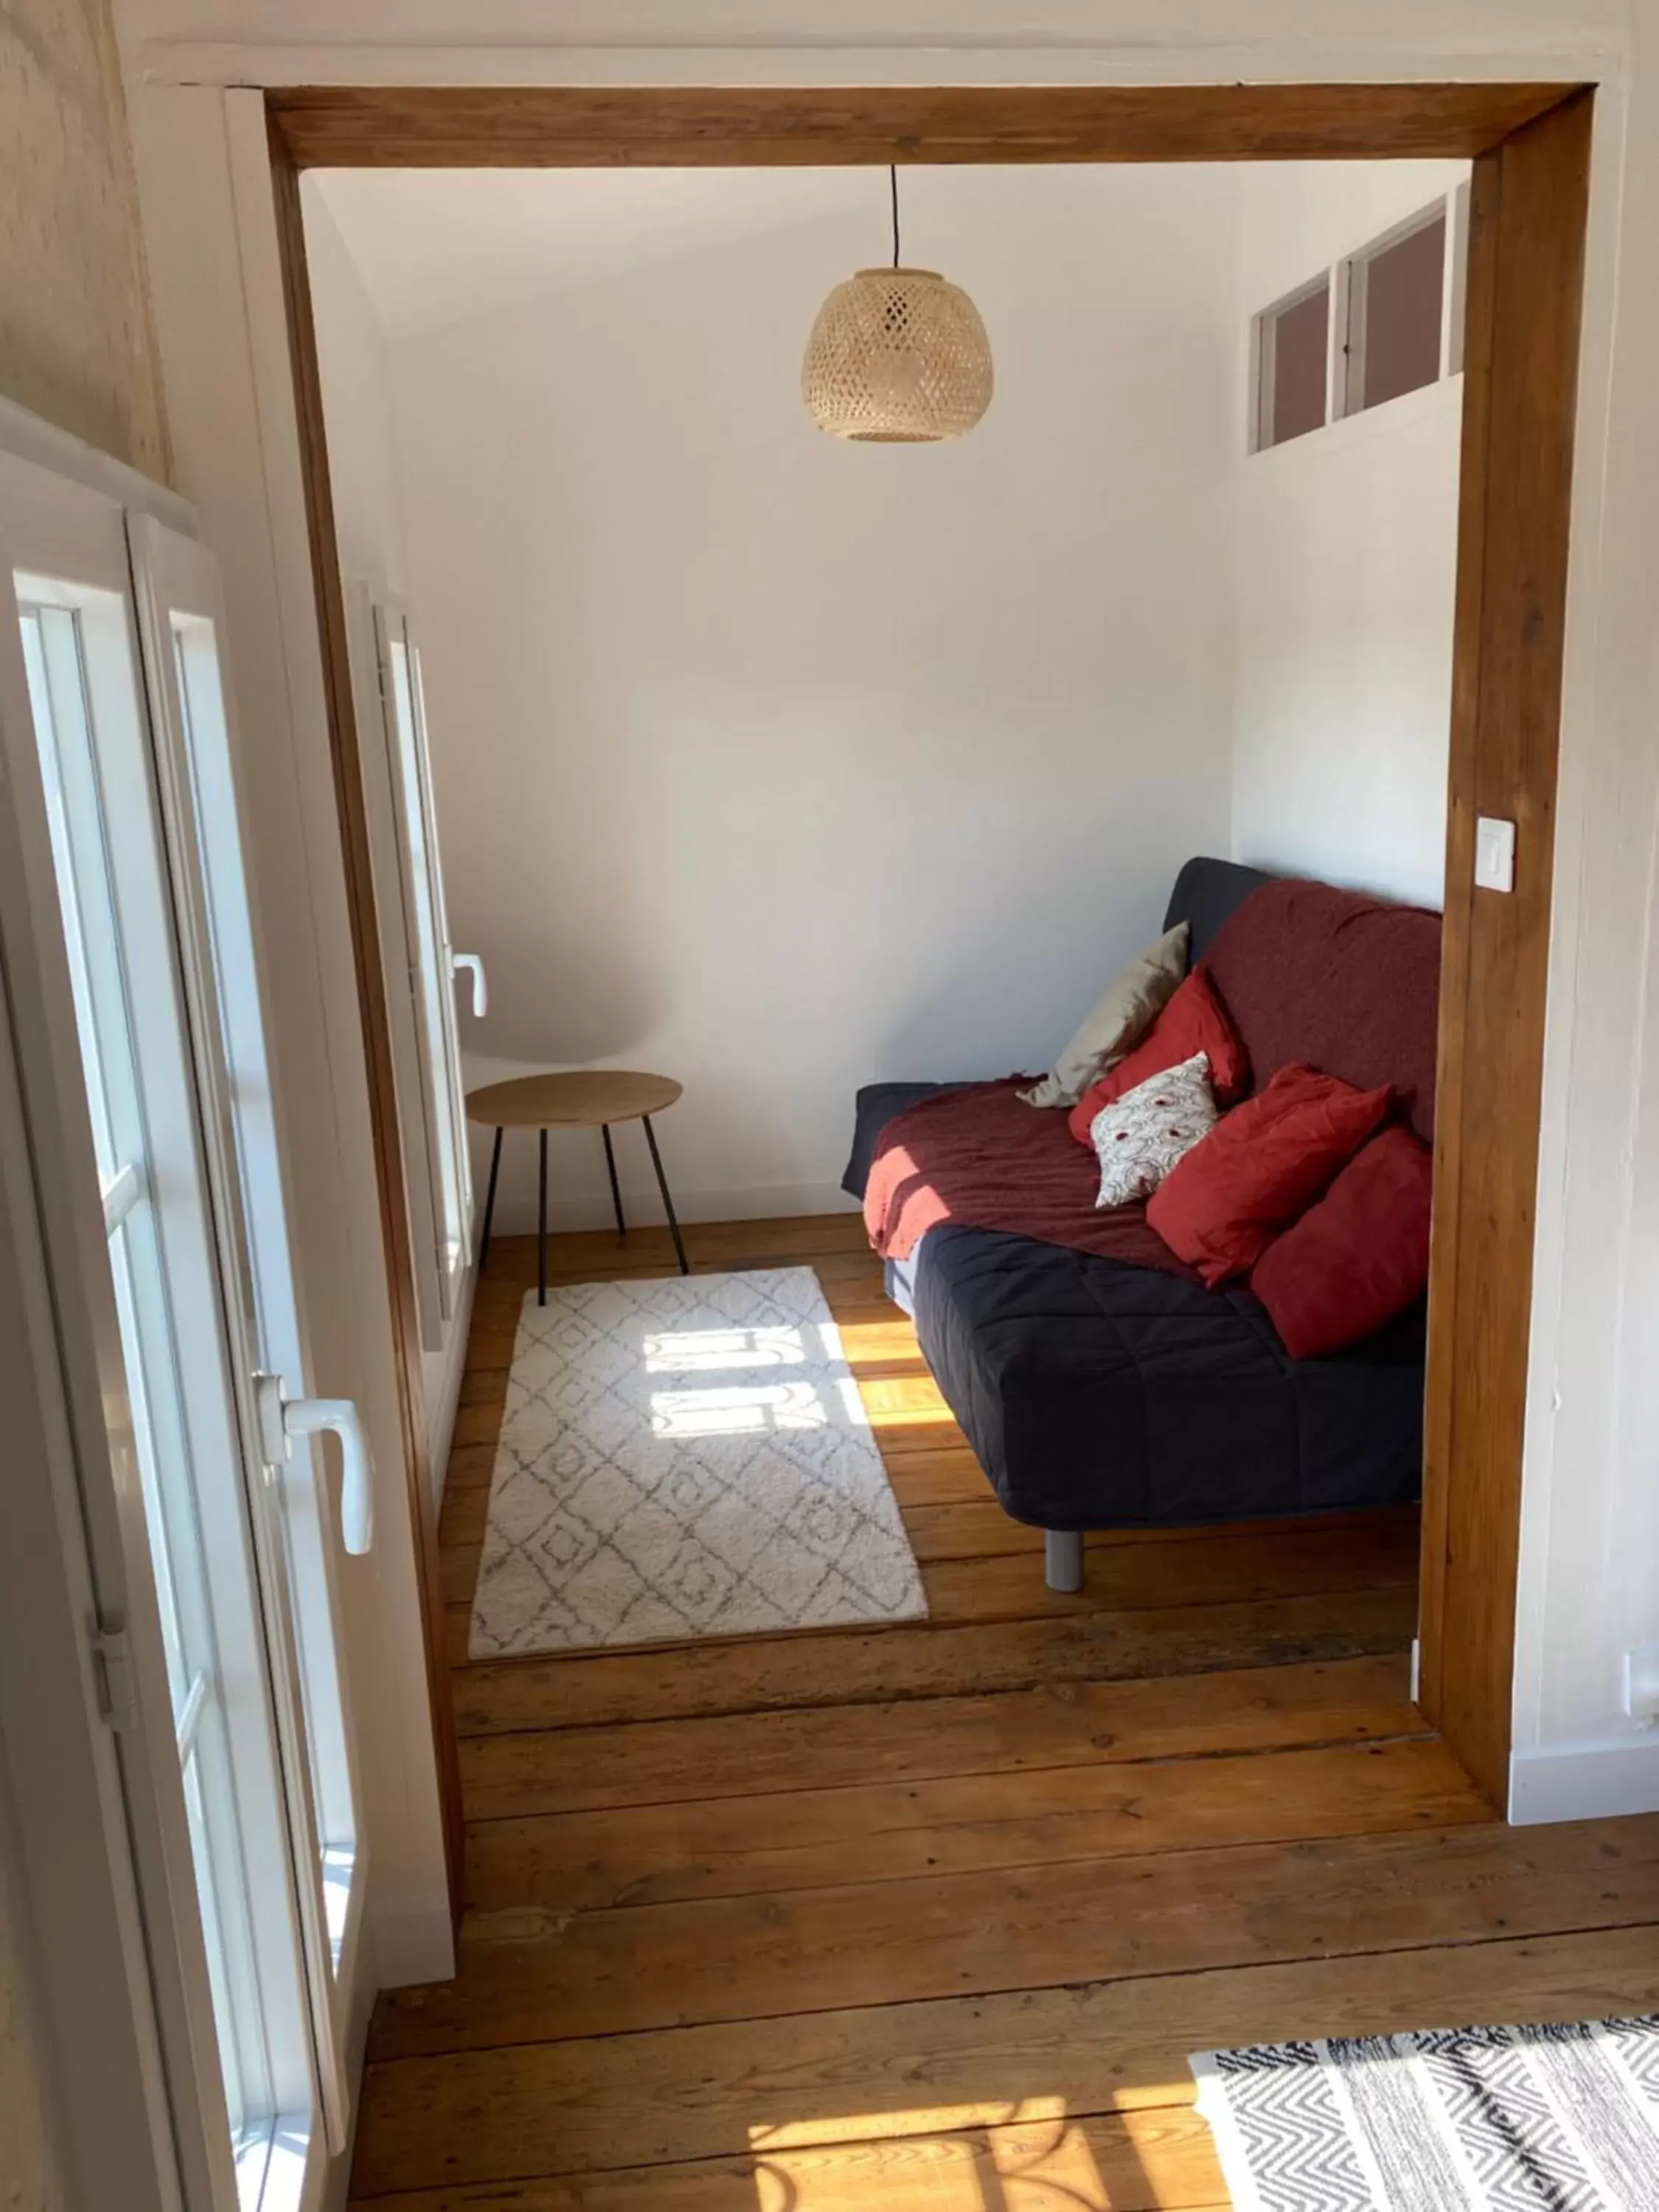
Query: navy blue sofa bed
{"x": 1100, "y": 1395}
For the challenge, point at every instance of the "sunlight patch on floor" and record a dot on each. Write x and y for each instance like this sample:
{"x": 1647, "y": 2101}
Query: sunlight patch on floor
{"x": 918, "y": 2120}
{"x": 694, "y": 1351}
{"x": 905, "y": 1401}
{"x": 1030, "y": 2156}
{"x": 879, "y": 1343}
{"x": 688, "y": 1350}
{"x": 746, "y": 1409}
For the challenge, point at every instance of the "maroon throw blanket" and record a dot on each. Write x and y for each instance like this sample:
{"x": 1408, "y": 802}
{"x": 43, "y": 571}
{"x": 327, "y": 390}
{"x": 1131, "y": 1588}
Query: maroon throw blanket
{"x": 982, "y": 1158}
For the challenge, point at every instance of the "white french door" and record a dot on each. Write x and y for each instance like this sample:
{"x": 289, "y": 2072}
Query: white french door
{"x": 181, "y": 624}
{"x": 210, "y": 1524}
{"x": 422, "y": 965}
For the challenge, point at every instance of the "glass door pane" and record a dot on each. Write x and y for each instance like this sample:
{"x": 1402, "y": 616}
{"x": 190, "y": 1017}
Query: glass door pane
{"x": 299, "y": 1526}
{"x": 88, "y": 730}
{"x": 422, "y": 770}
{"x": 429, "y": 939}
{"x": 214, "y": 829}
{"x": 150, "y": 1111}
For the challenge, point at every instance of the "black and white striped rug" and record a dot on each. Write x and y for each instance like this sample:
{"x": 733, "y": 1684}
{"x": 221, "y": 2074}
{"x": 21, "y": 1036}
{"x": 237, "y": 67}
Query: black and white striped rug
{"x": 1460, "y": 2119}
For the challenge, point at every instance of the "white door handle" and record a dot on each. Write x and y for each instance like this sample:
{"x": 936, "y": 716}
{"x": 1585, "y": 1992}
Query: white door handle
{"x": 474, "y": 965}
{"x": 282, "y": 1419}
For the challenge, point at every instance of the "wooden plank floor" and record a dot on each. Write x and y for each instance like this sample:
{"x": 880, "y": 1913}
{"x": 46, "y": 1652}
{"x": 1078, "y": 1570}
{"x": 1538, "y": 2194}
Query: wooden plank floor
{"x": 927, "y": 1918}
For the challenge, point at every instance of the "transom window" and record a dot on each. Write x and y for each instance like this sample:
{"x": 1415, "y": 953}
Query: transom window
{"x": 1382, "y": 322}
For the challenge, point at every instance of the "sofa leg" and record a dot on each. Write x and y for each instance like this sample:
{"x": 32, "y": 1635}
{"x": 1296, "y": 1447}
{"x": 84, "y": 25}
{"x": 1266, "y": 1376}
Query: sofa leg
{"x": 1062, "y": 1558}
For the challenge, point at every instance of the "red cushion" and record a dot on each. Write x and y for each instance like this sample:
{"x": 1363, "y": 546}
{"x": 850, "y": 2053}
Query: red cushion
{"x": 1337, "y": 981}
{"x": 1359, "y": 1257}
{"x": 1195, "y": 1020}
{"x": 1221, "y": 1205}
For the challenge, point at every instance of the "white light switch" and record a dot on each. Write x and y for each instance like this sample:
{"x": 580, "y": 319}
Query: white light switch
{"x": 1494, "y": 854}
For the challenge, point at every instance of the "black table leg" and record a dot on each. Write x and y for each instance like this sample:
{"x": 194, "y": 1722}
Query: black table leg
{"x": 616, "y": 1188}
{"x": 541, "y": 1229}
{"x": 668, "y": 1203}
{"x": 489, "y": 1201}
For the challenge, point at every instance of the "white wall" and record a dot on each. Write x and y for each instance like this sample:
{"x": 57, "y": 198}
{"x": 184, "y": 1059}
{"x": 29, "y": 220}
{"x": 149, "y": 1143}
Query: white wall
{"x": 368, "y": 523}
{"x": 362, "y": 446}
{"x": 1346, "y": 556}
{"x": 783, "y": 765}
{"x": 1589, "y": 1580}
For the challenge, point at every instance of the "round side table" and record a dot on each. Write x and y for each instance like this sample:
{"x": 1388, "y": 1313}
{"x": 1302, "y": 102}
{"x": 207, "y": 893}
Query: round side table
{"x": 588, "y": 1099}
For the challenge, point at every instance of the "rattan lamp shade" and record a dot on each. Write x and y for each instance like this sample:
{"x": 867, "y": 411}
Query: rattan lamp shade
{"x": 897, "y": 356}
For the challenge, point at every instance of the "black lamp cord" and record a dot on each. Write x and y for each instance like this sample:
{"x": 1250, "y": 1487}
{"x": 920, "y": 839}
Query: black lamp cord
{"x": 892, "y": 174}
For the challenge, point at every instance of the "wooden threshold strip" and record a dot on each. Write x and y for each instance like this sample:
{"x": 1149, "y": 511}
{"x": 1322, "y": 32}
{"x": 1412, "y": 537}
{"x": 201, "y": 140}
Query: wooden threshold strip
{"x": 852, "y": 1667}
{"x": 1088, "y": 1725}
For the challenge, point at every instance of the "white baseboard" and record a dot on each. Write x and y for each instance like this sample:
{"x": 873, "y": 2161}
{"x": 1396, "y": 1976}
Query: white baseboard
{"x": 413, "y": 1946}
{"x": 1585, "y": 1781}
{"x": 515, "y": 1215}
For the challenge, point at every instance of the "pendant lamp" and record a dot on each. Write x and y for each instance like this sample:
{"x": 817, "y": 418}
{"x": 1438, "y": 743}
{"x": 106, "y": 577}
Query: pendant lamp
{"x": 897, "y": 356}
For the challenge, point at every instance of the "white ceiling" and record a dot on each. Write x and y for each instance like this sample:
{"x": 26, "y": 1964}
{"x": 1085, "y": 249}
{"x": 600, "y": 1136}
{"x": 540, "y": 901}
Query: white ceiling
{"x": 437, "y": 246}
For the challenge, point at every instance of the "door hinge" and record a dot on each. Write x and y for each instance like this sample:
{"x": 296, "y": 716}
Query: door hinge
{"x": 112, "y": 1667}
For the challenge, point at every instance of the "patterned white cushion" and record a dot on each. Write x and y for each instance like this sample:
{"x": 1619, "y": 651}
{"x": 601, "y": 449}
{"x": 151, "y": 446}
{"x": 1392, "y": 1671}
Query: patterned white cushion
{"x": 1140, "y": 1137}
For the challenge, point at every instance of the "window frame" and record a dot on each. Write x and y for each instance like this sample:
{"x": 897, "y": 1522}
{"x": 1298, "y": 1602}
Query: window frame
{"x": 408, "y": 868}
{"x": 1345, "y": 351}
{"x": 1264, "y": 325}
{"x": 63, "y": 512}
{"x": 179, "y": 603}
{"x": 161, "y": 1243}
{"x": 53, "y": 529}
{"x": 88, "y": 1829}
{"x": 1351, "y": 296}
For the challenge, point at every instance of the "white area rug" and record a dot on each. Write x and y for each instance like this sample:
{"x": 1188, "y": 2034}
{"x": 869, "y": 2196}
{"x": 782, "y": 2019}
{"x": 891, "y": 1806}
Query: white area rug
{"x": 1461, "y": 2119}
{"x": 685, "y": 1458}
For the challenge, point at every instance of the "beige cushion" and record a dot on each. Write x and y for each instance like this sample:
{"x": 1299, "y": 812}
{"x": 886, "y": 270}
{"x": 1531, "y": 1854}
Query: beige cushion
{"x": 1122, "y": 1014}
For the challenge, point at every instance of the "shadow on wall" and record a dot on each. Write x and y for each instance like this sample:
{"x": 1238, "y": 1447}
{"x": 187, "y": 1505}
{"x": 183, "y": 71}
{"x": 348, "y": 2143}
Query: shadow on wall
{"x": 598, "y": 995}
{"x": 565, "y": 997}
{"x": 1051, "y": 953}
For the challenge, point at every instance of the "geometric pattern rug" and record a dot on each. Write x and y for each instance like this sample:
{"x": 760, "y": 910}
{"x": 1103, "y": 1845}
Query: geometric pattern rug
{"x": 1528, "y": 2120}
{"x": 685, "y": 1458}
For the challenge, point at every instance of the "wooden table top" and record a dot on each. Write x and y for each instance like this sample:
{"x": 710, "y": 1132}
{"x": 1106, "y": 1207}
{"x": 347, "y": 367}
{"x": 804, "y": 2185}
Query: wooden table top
{"x": 581, "y": 1100}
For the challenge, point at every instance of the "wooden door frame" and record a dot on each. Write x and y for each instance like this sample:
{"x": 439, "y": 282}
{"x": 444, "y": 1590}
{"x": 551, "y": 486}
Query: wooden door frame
{"x": 1529, "y": 144}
